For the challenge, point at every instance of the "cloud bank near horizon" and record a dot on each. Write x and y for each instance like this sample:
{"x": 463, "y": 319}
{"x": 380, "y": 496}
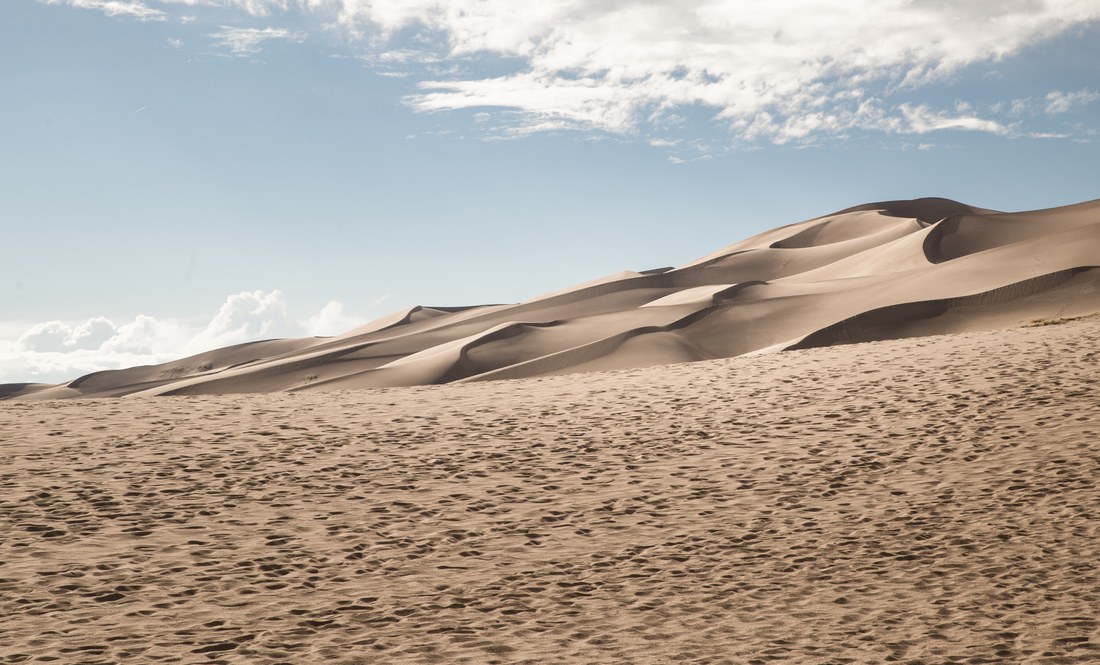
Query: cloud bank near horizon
{"x": 56, "y": 351}
{"x": 761, "y": 71}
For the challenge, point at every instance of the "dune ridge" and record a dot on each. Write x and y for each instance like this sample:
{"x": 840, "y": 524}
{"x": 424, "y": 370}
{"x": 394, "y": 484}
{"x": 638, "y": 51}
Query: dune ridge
{"x": 872, "y": 272}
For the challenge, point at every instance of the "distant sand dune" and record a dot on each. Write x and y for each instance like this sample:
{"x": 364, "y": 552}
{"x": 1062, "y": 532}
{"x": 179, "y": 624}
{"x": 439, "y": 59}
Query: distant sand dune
{"x": 877, "y": 271}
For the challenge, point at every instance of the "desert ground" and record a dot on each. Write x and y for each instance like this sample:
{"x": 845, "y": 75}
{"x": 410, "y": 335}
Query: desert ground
{"x": 925, "y": 500}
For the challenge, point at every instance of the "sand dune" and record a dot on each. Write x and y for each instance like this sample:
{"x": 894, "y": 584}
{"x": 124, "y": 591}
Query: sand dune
{"x": 874, "y": 272}
{"x": 919, "y": 501}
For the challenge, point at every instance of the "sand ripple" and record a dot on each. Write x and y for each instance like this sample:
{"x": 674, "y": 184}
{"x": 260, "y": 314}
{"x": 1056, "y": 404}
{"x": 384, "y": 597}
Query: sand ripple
{"x": 922, "y": 501}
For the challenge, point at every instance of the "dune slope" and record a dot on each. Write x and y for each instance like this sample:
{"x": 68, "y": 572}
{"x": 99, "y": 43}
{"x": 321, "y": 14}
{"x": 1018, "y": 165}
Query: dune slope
{"x": 878, "y": 271}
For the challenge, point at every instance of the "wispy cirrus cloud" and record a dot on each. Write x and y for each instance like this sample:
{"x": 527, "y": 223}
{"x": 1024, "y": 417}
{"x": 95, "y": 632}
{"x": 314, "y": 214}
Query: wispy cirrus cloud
{"x": 134, "y": 9}
{"x": 248, "y": 41}
{"x": 922, "y": 120}
{"x": 251, "y": 7}
{"x": 1058, "y": 102}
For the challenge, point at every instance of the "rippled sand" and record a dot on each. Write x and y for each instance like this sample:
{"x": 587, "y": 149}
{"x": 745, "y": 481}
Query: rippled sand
{"x": 920, "y": 501}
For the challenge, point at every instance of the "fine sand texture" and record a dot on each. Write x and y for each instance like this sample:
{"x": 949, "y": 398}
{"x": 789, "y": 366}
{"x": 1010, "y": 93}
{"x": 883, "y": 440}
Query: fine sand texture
{"x": 927, "y": 500}
{"x": 880, "y": 271}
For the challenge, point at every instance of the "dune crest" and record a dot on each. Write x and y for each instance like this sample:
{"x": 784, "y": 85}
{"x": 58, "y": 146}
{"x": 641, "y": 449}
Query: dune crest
{"x": 873, "y": 272}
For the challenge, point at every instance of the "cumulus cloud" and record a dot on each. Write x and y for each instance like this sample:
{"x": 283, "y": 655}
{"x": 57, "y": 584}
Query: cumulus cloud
{"x": 244, "y": 317}
{"x": 147, "y": 336}
{"x": 45, "y": 337}
{"x": 331, "y": 320}
{"x": 55, "y": 351}
{"x": 249, "y": 41}
{"x": 91, "y": 334}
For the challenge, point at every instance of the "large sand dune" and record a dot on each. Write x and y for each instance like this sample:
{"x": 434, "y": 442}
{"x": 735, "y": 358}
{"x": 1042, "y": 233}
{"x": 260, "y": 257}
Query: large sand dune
{"x": 920, "y": 501}
{"x": 878, "y": 271}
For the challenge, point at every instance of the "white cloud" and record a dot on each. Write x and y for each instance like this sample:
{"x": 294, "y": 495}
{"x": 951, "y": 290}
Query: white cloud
{"x": 244, "y": 317}
{"x": 781, "y": 71}
{"x": 45, "y": 337}
{"x": 148, "y": 336}
{"x": 55, "y": 351}
{"x": 91, "y": 334}
{"x": 1061, "y": 102}
{"x": 248, "y": 41}
{"x": 252, "y": 7}
{"x": 126, "y": 8}
{"x": 331, "y": 320}
{"x": 921, "y": 120}
{"x": 1021, "y": 106}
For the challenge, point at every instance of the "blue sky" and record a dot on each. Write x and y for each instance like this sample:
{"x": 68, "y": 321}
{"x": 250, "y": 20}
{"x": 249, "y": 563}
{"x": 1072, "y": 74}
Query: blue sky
{"x": 185, "y": 174}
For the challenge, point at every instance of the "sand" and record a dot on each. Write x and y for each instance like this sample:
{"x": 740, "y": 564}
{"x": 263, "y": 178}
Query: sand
{"x": 888, "y": 270}
{"x": 926, "y": 500}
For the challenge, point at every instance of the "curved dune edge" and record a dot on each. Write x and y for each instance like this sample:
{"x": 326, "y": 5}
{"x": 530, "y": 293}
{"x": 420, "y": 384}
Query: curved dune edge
{"x": 877, "y": 271}
{"x": 896, "y": 321}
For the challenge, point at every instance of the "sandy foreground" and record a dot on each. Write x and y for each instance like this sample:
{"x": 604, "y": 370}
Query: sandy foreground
{"x": 926, "y": 500}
